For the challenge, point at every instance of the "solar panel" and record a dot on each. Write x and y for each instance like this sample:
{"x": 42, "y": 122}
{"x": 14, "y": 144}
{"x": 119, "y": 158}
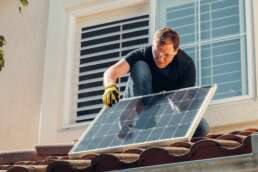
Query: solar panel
{"x": 146, "y": 120}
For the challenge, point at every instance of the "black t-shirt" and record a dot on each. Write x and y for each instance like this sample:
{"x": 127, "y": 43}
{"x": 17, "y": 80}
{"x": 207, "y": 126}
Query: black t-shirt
{"x": 180, "y": 73}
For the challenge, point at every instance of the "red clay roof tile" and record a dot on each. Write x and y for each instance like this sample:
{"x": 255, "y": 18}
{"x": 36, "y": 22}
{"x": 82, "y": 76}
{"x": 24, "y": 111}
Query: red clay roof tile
{"x": 54, "y": 158}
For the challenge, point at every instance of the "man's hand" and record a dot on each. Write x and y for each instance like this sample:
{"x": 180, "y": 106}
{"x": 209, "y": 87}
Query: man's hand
{"x": 111, "y": 95}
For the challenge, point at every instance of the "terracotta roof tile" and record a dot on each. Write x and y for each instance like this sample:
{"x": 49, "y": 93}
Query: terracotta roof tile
{"x": 51, "y": 158}
{"x": 10, "y": 157}
{"x": 53, "y": 149}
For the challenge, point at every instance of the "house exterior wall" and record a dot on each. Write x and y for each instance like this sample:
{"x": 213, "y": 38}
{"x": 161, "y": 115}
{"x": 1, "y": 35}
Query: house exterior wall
{"x": 55, "y": 126}
{"x": 21, "y": 78}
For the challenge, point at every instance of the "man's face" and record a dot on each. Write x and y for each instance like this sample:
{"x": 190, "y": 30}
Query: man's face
{"x": 164, "y": 54}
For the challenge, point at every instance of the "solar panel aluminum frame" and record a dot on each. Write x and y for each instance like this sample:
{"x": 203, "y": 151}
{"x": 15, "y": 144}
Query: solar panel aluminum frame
{"x": 155, "y": 143}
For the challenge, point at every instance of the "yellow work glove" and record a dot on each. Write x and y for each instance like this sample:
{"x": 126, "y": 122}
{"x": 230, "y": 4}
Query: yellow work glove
{"x": 111, "y": 95}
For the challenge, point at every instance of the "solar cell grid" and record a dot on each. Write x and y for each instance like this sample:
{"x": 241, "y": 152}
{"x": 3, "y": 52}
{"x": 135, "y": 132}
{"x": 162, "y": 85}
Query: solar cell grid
{"x": 146, "y": 119}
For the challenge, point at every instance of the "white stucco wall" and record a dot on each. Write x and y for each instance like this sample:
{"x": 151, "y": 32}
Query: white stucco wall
{"x": 21, "y": 79}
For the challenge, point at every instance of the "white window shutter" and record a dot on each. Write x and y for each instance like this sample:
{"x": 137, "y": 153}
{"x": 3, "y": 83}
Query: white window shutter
{"x": 101, "y": 46}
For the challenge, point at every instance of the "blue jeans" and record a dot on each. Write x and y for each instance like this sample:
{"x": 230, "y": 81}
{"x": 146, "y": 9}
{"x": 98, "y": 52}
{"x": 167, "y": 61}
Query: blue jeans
{"x": 140, "y": 83}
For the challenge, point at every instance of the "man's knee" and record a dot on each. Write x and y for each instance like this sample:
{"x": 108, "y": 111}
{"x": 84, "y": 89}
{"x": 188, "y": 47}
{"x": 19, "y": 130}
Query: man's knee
{"x": 141, "y": 71}
{"x": 140, "y": 80}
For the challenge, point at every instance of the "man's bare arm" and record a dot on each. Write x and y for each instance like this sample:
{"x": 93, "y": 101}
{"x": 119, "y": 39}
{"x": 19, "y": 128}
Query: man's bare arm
{"x": 115, "y": 71}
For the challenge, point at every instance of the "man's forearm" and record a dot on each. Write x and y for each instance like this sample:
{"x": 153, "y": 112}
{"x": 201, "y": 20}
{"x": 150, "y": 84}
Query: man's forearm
{"x": 114, "y": 72}
{"x": 109, "y": 78}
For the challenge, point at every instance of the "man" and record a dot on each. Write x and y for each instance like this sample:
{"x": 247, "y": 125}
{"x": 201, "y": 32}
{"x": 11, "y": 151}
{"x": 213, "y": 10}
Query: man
{"x": 162, "y": 66}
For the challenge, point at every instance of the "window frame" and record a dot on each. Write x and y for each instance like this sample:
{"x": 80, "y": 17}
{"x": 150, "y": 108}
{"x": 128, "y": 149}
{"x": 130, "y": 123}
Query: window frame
{"x": 144, "y": 16}
{"x": 72, "y": 64}
{"x": 69, "y": 120}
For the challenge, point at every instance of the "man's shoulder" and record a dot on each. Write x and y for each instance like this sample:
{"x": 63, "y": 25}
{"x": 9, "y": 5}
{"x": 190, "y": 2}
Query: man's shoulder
{"x": 142, "y": 52}
{"x": 185, "y": 62}
{"x": 145, "y": 49}
{"x": 184, "y": 58}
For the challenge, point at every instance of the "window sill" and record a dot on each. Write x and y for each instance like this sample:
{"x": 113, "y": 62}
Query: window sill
{"x": 214, "y": 104}
{"x": 82, "y": 125}
{"x": 234, "y": 100}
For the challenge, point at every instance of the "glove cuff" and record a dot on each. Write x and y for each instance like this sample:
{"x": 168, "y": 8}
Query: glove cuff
{"x": 111, "y": 86}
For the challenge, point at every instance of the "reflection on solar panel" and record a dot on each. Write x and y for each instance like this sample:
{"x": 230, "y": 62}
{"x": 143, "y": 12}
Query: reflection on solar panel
{"x": 146, "y": 120}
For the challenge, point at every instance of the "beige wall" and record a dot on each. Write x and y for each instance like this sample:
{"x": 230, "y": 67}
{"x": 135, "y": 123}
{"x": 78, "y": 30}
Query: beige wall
{"x": 21, "y": 79}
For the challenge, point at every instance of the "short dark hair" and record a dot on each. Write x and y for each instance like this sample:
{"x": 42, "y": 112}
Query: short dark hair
{"x": 165, "y": 35}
